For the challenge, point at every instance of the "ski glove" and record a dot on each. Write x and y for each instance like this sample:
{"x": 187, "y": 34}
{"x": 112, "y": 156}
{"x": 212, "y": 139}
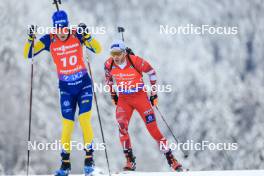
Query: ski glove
{"x": 31, "y": 32}
{"x": 114, "y": 98}
{"x": 154, "y": 100}
{"x": 83, "y": 29}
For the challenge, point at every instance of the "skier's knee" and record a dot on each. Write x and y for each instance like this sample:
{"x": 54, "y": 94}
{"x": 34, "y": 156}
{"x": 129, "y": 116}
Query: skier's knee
{"x": 68, "y": 114}
{"x": 86, "y": 115}
{"x": 86, "y": 126}
{"x": 85, "y": 104}
{"x": 154, "y": 131}
{"x": 68, "y": 117}
{"x": 123, "y": 128}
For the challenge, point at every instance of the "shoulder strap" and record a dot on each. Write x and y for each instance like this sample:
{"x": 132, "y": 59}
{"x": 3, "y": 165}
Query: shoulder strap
{"x": 112, "y": 63}
{"x": 51, "y": 38}
{"x": 131, "y": 62}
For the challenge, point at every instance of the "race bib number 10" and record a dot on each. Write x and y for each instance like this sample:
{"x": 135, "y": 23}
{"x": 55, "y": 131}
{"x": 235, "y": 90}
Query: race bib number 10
{"x": 71, "y": 61}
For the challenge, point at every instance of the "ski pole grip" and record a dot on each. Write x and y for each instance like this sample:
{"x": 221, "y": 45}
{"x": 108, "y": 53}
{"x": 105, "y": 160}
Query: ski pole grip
{"x": 120, "y": 29}
{"x": 57, "y": 2}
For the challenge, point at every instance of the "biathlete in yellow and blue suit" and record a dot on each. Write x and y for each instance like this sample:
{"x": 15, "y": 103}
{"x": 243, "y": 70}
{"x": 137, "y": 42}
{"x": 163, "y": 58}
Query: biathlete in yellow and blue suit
{"x": 75, "y": 84}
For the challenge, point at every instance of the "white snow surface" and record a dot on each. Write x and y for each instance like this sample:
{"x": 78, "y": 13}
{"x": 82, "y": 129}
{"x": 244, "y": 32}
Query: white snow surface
{"x": 191, "y": 173}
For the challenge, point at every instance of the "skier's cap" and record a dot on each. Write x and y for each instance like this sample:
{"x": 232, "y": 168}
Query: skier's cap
{"x": 60, "y": 19}
{"x": 117, "y": 46}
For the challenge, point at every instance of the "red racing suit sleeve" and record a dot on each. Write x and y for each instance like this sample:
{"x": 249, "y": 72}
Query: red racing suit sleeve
{"x": 108, "y": 77}
{"x": 144, "y": 67}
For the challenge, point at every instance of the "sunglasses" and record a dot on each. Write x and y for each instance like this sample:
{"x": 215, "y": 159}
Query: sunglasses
{"x": 116, "y": 53}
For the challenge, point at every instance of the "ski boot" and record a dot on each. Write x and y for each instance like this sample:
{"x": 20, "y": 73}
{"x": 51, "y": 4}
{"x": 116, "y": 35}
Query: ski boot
{"x": 174, "y": 164}
{"x": 65, "y": 165}
{"x": 131, "y": 161}
{"x": 88, "y": 162}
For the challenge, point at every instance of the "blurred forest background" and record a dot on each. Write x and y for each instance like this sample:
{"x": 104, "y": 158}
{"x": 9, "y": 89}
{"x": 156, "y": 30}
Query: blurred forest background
{"x": 217, "y": 82}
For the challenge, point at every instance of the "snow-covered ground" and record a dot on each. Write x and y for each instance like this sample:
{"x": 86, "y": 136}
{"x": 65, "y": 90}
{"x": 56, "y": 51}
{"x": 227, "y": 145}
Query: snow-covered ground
{"x": 196, "y": 173}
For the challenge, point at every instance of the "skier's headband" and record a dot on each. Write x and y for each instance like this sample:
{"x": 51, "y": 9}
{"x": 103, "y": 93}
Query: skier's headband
{"x": 117, "y": 47}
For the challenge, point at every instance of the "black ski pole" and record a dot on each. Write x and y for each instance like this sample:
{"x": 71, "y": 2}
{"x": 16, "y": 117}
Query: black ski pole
{"x": 57, "y": 2}
{"x": 162, "y": 117}
{"x": 30, "y": 99}
{"x": 99, "y": 116}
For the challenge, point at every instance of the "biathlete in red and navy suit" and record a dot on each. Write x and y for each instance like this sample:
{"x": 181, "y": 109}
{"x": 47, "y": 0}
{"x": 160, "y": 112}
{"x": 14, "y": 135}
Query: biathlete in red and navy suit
{"x": 126, "y": 71}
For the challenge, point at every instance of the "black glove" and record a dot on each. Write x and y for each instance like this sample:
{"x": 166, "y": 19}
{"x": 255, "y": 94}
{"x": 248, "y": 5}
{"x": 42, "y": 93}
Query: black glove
{"x": 129, "y": 51}
{"x": 83, "y": 29}
{"x": 114, "y": 98}
{"x": 31, "y": 32}
{"x": 154, "y": 100}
